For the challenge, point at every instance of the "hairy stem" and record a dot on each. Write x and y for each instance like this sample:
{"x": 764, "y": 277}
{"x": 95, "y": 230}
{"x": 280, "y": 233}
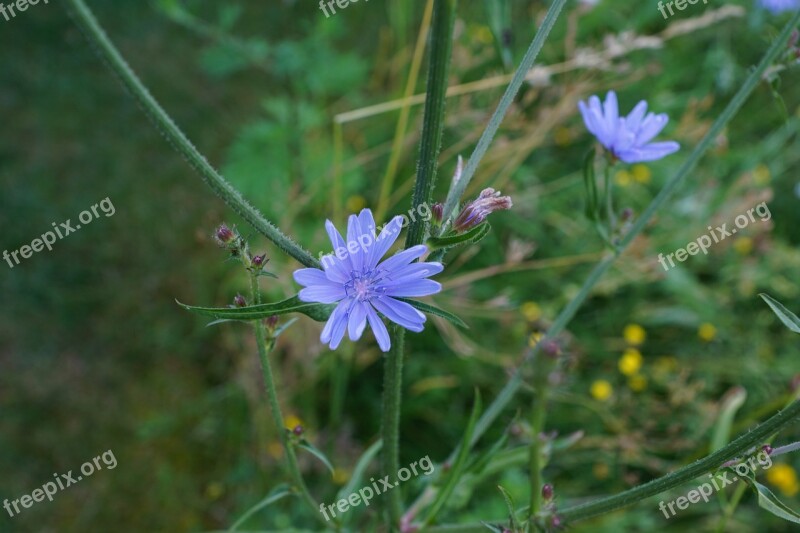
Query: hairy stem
{"x": 265, "y": 345}
{"x": 392, "y": 398}
{"x": 97, "y": 36}
{"x": 711, "y": 462}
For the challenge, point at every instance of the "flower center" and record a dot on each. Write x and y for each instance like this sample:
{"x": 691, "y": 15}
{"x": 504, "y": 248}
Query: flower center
{"x": 362, "y": 285}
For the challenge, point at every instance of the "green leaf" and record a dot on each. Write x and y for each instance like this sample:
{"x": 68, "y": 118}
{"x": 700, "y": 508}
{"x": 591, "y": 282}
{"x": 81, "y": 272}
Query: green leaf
{"x": 315, "y": 311}
{"x": 458, "y": 466}
{"x": 788, "y": 318}
{"x": 492, "y": 527}
{"x": 355, "y": 481}
{"x": 470, "y": 237}
{"x": 304, "y": 444}
{"x": 281, "y": 491}
{"x": 280, "y": 329}
{"x": 433, "y": 310}
{"x": 722, "y": 429}
{"x": 769, "y": 502}
{"x": 590, "y": 183}
{"x": 510, "y": 505}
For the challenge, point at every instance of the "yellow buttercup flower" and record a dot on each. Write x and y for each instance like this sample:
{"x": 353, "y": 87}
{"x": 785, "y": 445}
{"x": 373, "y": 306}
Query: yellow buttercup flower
{"x": 761, "y": 174}
{"x": 535, "y": 337}
{"x": 623, "y": 178}
{"x": 601, "y": 390}
{"x": 630, "y": 362}
{"x": 743, "y": 245}
{"x": 784, "y": 477}
{"x": 641, "y": 173}
{"x": 562, "y": 136}
{"x": 531, "y": 311}
{"x": 292, "y": 422}
{"x": 637, "y": 383}
{"x": 355, "y": 203}
{"x": 707, "y": 332}
{"x": 634, "y": 334}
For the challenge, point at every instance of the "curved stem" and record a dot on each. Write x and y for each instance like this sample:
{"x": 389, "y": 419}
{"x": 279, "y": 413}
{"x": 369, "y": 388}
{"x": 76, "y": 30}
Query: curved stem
{"x": 97, "y": 36}
{"x": 458, "y": 188}
{"x": 265, "y": 345}
{"x": 711, "y": 462}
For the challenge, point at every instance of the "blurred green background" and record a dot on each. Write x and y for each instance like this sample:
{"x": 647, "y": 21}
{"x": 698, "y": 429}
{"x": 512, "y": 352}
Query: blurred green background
{"x": 95, "y": 355}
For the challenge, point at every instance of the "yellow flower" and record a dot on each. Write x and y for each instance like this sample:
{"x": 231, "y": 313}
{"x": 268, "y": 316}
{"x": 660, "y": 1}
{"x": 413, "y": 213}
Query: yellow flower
{"x": 784, "y": 477}
{"x": 743, "y": 245}
{"x": 340, "y": 476}
{"x": 484, "y": 35}
{"x": 637, "y": 383}
{"x": 531, "y": 311}
{"x": 214, "y": 490}
{"x": 761, "y": 174}
{"x": 275, "y": 449}
{"x": 707, "y": 332}
{"x": 600, "y": 470}
{"x": 355, "y": 203}
{"x": 665, "y": 364}
{"x": 534, "y": 339}
{"x": 634, "y": 334}
{"x": 292, "y": 422}
{"x": 622, "y": 178}
{"x": 641, "y": 173}
{"x": 562, "y": 136}
{"x": 630, "y": 362}
{"x": 601, "y": 390}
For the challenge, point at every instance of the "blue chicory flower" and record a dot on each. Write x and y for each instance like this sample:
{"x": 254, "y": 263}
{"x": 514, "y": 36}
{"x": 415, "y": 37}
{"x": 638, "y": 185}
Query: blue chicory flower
{"x": 363, "y": 287}
{"x": 627, "y": 138}
{"x": 779, "y": 6}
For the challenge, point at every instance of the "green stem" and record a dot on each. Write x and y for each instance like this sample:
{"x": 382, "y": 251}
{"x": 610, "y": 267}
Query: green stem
{"x": 97, "y": 36}
{"x": 566, "y": 315}
{"x": 457, "y": 189}
{"x": 433, "y": 118}
{"x": 535, "y": 459}
{"x": 430, "y": 143}
{"x": 711, "y": 462}
{"x": 392, "y": 397}
{"x": 265, "y": 345}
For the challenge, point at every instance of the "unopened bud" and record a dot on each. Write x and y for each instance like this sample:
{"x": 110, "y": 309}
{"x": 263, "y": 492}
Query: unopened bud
{"x": 298, "y": 430}
{"x": 767, "y": 449}
{"x": 271, "y": 322}
{"x": 239, "y": 301}
{"x": 547, "y": 492}
{"x": 259, "y": 260}
{"x": 551, "y": 348}
{"x": 626, "y": 214}
{"x": 437, "y": 211}
{"x": 224, "y": 234}
{"x": 555, "y": 522}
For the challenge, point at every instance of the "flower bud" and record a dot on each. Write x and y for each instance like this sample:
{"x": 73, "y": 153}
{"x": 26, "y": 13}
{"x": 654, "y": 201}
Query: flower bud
{"x": 239, "y": 301}
{"x": 476, "y": 211}
{"x": 259, "y": 260}
{"x": 271, "y": 322}
{"x": 767, "y": 449}
{"x": 437, "y": 211}
{"x": 547, "y": 492}
{"x": 224, "y": 235}
{"x": 555, "y": 522}
{"x": 298, "y": 430}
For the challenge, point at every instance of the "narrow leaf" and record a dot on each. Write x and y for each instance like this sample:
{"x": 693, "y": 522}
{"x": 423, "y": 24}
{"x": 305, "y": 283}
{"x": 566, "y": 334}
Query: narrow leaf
{"x": 470, "y": 237}
{"x": 304, "y": 444}
{"x": 358, "y": 473}
{"x": 722, "y": 430}
{"x": 433, "y": 310}
{"x": 276, "y": 494}
{"x": 315, "y": 311}
{"x": 788, "y": 318}
{"x": 769, "y": 502}
{"x": 510, "y": 505}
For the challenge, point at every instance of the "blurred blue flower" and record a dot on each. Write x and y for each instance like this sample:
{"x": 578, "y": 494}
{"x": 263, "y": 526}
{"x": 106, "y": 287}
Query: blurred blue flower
{"x": 627, "y": 138}
{"x": 353, "y": 277}
{"x": 779, "y": 6}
